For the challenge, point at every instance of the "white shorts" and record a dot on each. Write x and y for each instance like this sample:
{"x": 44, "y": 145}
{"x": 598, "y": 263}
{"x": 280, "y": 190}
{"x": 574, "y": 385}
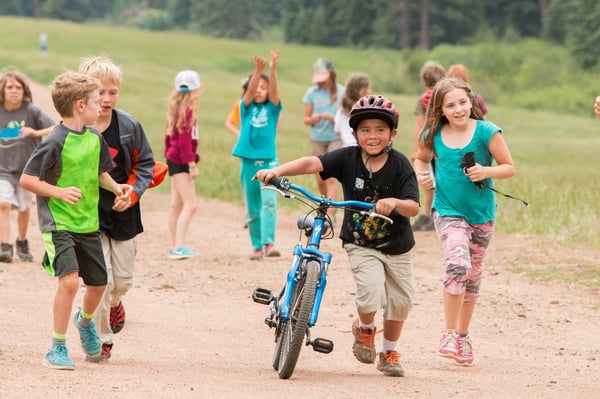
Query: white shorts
{"x": 15, "y": 195}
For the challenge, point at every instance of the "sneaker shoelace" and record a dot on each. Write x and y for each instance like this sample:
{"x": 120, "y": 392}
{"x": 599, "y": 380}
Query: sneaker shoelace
{"x": 365, "y": 338}
{"x": 392, "y": 358}
{"x": 464, "y": 346}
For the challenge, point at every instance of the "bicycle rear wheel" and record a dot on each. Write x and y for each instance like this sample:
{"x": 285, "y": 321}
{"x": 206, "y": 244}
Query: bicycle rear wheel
{"x": 291, "y": 338}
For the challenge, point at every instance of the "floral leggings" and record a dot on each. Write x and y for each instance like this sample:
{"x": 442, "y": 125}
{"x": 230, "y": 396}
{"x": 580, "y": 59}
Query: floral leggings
{"x": 465, "y": 246}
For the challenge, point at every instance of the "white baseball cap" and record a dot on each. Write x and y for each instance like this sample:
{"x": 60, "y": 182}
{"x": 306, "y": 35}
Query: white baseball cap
{"x": 187, "y": 81}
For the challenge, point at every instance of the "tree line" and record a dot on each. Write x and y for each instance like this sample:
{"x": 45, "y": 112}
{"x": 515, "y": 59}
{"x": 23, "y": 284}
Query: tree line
{"x": 399, "y": 24}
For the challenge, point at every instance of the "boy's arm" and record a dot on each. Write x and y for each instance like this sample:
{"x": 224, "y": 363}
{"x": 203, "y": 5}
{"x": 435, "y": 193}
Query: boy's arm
{"x": 300, "y": 166}
{"x": 142, "y": 162}
{"x": 70, "y": 195}
{"x": 273, "y": 91}
{"x": 260, "y": 64}
{"x": 28, "y": 131}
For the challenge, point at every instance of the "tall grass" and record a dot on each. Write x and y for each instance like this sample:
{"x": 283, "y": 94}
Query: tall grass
{"x": 555, "y": 153}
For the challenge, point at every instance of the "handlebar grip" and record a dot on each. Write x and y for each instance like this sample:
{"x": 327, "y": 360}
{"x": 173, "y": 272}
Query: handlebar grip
{"x": 281, "y": 183}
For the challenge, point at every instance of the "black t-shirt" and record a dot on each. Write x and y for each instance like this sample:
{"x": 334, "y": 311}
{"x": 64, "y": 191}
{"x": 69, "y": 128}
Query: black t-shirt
{"x": 395, "y": 179}
{"x": 118, "y": 225}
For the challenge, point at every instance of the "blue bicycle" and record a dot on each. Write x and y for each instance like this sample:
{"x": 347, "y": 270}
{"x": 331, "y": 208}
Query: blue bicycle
{"x": 296, "y": 309}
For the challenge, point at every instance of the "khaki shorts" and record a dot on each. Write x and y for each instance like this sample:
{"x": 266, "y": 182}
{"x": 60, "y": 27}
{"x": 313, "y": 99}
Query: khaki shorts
{"x": 321, "y": 147}
{"x": 382, "y": 281}
{"x": 15, "y": 195}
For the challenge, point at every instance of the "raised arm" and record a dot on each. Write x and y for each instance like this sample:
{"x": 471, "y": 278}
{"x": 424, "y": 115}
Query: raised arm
{"x": 259, "y": 67}
{"x": 273, "y": 91}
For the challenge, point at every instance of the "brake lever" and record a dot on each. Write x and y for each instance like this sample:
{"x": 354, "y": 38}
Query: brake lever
{"x": 377, "y": 215}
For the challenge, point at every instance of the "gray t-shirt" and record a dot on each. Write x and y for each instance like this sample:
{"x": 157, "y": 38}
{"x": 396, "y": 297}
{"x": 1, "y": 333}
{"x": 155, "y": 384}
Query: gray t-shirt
{"x": 14, "y": 148}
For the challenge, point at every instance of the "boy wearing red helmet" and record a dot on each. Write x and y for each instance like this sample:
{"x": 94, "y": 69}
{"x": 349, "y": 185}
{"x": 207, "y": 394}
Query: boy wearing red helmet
{"x": 379, "y": 254}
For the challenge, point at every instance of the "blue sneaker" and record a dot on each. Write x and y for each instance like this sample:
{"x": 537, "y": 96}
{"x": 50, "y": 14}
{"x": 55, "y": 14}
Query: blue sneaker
{"x": 58, "y": 358}
{"x": 89, "y": 339}
{"x": 182, "y": 253}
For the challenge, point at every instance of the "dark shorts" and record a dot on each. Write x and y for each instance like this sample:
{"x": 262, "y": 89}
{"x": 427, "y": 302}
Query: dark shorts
{"x": 175, "y": 168}
{"x": 68, "y": 252}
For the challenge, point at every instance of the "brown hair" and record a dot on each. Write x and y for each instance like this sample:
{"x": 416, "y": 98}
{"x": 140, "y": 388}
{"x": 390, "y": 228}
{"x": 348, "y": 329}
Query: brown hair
{"x": 19, "y": 77}
{"x": 431, "y": 73}
{"x": 69, "y": 87}
{"x": 434, "y": 118}
{"x": 354, "y": 91}
{"x": 458, "y": 71}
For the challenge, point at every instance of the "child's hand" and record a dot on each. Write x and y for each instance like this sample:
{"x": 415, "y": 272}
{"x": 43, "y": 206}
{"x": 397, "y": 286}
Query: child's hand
{"x": 425, "y": 180}
{"x": 264, "y": 175}
{"x": 385, "y": 206}
{"x": 259, "y": 62}
{"x": 274, "y": 59}
{"x": 71, "y": 195}
{"x": 122, "y": 197}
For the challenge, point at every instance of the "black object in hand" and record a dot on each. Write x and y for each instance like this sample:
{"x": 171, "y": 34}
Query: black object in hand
{"x": 467, "y": 161}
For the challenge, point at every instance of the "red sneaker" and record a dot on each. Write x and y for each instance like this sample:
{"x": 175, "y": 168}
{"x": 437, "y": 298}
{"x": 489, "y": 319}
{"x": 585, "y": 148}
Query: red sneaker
{"x": 117, "y": 318}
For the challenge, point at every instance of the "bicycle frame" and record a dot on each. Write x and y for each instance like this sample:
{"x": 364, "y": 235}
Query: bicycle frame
{"x": 306, "y": 280}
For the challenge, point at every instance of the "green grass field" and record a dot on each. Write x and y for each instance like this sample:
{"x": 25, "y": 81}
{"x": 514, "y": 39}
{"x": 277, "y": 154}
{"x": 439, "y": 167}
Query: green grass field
{"x": 554, "y": 153}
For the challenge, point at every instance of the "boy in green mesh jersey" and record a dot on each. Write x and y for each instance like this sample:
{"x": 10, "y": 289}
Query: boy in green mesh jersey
{"x": 65, "y": 172}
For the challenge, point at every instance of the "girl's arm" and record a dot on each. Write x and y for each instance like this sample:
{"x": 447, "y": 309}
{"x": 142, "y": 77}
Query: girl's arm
{"x": 259, "y": 67}
{"x": 309, "y": 118}
{"x": 504, "y": 168}
{"x": 422, "y": 165}
{"x": 29, "y": 131}
{"x": 273, "y": 91}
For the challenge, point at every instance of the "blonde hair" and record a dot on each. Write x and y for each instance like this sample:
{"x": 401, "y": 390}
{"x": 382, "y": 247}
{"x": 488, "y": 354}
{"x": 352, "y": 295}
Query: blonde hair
{"x": 431, "y": 73}
{"x": 69, "y": 87}
{"x": 179, "y": 103}
{"x": 458, "y": 71}
{"x": 19, "y": 77}
{"x": 434, "y": 118}
{"x": 355, "y": 86}
{"x": 102, "y": 68}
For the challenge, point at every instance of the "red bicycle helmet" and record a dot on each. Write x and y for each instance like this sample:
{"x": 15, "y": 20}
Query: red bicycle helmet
{"x": 374, "y": 107}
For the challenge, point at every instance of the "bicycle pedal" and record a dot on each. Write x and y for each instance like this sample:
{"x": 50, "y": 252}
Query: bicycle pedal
{"x": 262, "y": 295}
{"x": 322, "y": 345}
{"x": 270, "y": 322}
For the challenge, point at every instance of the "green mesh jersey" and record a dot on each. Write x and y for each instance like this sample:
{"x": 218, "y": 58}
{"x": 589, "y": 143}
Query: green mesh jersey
{"x": 66, "y": 158}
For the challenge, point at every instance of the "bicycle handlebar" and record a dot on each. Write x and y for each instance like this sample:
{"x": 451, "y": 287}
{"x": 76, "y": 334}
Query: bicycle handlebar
{"x": 283, "y": 186}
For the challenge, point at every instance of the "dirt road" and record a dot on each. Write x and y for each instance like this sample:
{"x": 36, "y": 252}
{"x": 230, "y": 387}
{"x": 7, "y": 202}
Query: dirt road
{"x": 192, "y": 330}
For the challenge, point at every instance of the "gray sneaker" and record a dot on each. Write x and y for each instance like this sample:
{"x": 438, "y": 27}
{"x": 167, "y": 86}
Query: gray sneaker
{"x": 23, "y": 250}
{"x": 389, "y": 364}
{"x": 6, "y": 252}
{"x": 364, "y": 343}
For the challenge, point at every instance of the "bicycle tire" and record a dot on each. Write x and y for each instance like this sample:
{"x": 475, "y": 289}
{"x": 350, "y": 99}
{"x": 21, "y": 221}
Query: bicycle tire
{"x": 292, "y": 337}
{"x": 278, "y": 341}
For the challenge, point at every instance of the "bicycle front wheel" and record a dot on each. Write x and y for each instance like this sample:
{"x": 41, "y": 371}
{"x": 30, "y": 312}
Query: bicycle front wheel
{"x": 292, "y": 336}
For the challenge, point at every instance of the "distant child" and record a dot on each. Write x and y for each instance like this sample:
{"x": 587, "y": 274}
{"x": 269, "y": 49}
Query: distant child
{"x": 133, "y": 164}
{"x": 379, "y": 253}
{"x": 257, "y": 149}
{"x": 181, "y": 145}
{"x": 464, "y": 206}
{"x": 462, "y": 72}
{"x": 66, "y": 172}
{"x": 321, "y": 102}
{"x": 233, "y": 121}
{"x": 22, "y": 126}
{"x": 431, "y": 73}
{"x": 357, "y": 86}
{"x": 597, "y": 107}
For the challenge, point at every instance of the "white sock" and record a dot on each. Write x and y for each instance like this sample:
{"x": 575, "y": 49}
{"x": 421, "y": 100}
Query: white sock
{"x": 363, "y": 325}
{"x": 387, "y": 345}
